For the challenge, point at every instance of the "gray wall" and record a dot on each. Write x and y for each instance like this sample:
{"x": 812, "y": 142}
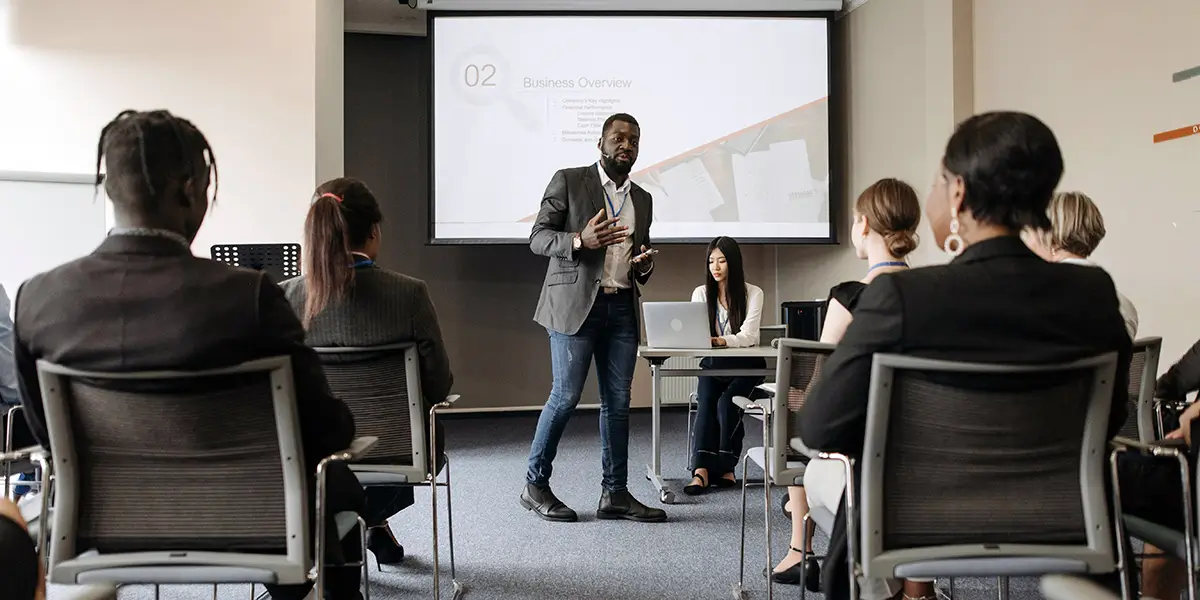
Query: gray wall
{"x": 485, "y": 295}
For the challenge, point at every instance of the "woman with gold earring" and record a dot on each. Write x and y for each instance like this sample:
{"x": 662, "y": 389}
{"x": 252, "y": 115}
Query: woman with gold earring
{"x": 995, "y": 302}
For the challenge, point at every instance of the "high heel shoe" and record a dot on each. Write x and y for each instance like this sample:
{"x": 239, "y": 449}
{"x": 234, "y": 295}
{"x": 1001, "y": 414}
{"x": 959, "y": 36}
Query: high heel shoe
{"x": 808, "y": 572}
{"x": 386, "y": 549}
{"x": 693, "y": 489}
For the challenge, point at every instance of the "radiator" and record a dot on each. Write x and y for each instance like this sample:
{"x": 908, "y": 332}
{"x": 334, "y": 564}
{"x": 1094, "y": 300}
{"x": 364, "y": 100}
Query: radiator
{"x": 677, "y": 390}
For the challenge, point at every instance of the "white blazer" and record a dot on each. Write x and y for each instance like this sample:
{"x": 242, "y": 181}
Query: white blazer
{"x": 748, "y": 335}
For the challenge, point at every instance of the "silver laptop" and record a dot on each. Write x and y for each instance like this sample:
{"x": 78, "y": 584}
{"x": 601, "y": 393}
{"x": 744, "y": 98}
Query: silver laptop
{"x": 676, "y": 324}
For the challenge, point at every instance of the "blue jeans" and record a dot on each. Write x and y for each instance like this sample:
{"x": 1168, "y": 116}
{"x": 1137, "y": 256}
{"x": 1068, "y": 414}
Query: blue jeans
{"x": 610, "y": 333}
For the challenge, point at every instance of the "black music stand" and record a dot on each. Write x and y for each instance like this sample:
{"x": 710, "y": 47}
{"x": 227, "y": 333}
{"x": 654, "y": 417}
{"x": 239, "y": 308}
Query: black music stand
{"x": 278, "y": 261}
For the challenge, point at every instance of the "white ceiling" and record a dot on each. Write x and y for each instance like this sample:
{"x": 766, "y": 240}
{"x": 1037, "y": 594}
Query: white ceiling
{"x": 395, "y": 17}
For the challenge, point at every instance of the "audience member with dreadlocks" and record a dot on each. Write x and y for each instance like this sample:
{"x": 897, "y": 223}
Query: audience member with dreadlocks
{"x": 142, "y": 302}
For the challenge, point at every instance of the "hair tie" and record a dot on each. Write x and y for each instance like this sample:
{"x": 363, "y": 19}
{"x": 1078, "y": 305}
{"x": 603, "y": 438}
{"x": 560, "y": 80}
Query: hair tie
{"x": 329, "y": 195}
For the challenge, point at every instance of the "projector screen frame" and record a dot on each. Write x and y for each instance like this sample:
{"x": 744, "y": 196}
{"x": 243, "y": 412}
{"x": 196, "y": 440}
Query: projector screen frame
{"x": 835, "y": 127}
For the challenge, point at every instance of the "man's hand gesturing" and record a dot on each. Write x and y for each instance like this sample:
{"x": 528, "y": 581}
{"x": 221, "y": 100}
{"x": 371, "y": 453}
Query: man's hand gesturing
{"x": 601, "y": 232}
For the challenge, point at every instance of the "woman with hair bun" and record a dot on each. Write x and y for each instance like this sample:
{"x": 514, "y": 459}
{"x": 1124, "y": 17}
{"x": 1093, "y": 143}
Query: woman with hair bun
{"x": 884, "y": 232}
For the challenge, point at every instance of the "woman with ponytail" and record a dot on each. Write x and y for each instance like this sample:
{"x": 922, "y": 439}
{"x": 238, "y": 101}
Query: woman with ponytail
{"x": 345, "y": 299}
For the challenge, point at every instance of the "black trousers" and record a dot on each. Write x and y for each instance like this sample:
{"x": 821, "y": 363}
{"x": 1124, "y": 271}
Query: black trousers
{"x": 343, "y": 493}
{"x": 1151, "y": 489}
{"x": 718, "y": 434}
{"x": 18, "y": 562}
{"x": 22, "y": 437}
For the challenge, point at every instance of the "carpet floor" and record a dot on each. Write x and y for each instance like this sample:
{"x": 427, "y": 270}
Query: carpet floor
{"x": 503, "y": 552}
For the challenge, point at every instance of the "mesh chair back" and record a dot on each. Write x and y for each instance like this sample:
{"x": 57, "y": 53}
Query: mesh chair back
{"x": 960, "y": 453}
{"x": 1143, "y": 369}
{"x": 382, "y": 387}
{"x": 768, "y": 337}
{"x": 796, "y": 372}
{"x": 176, "y": 461}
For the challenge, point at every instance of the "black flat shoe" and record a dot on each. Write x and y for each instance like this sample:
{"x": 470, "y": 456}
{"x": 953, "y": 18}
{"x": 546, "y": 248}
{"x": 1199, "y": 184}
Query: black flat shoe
{"x": 385, "y": 548}
{"x": 724, "y": 483}
{"x": 695, "y": 489}
{"x": 808, "y": 571}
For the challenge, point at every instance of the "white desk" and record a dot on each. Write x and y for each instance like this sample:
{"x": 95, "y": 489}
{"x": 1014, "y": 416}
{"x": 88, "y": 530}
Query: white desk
{"x": 658, "y": 356}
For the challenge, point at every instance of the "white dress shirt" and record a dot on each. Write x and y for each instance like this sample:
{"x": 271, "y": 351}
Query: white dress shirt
{"x": 748, "y": 335}
{"x": 1128, "y": 312}
{"x": 617, "y": 256}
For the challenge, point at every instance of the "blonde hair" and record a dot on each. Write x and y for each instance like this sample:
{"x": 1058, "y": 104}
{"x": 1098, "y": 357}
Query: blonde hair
{"x": 893, "y": 210}
{"x": 1076, "y": 225}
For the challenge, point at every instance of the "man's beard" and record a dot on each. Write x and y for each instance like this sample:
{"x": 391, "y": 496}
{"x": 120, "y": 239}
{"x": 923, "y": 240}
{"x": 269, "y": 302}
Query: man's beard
{"x": 612, "y": 165}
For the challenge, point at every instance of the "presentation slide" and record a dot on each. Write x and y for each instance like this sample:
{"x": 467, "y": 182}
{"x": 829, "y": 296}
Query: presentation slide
{"x": 733, "y": 111}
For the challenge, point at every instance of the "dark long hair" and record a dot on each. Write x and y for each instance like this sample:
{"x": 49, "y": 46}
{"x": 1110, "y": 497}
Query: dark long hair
{"x": 339, "y": 221}
{"x": 735, "y": 285}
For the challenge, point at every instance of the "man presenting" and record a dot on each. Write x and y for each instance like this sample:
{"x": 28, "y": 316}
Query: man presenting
{"x": 590, "y": 221}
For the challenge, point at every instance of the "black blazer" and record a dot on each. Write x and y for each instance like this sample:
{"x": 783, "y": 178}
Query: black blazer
{"x": 997, "y": 302}
{"x": 142, "y": 303}
{"x": 572, "y": 198}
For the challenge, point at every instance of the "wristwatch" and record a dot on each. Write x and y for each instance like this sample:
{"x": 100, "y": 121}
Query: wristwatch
{"x": 576, "y": 242}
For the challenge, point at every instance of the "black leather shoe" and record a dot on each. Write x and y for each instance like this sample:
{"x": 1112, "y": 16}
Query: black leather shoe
{"x": 546, "y": 505}
{"x": 622, "y": 505}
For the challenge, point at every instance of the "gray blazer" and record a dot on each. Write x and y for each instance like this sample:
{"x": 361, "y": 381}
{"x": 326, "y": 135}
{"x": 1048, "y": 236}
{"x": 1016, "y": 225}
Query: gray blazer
{"x": 573, "y": 197}
{"x": 384, "y": 307}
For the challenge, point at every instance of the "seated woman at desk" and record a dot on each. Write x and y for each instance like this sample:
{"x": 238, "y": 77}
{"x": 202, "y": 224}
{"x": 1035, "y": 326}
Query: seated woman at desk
{"x": 344, "y": 299}
{"x": 734, "y": 313}
{"x": 884, "y": 232}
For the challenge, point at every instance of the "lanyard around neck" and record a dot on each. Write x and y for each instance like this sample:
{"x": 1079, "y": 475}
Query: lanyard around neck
{"x": 361, "y": 260}
{"x": 890, "y": 263}
{"x": 613, "y": 211}
{"x": 723, "y": 325}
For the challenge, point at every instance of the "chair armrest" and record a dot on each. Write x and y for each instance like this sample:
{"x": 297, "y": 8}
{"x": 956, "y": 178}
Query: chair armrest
{"x": 1166, "y": 448}
{"x": 19, "y": 455}
{"x": 746, "y": 404}
{"x": 769, "y": 388}
{"x": 797, "y": 444}
{"x": 358, "y": 448}
{"x": 447, "y": 403}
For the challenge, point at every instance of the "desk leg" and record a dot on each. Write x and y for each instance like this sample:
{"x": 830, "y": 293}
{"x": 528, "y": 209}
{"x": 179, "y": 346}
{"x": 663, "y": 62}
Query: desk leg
{"x": 654, "y": 469}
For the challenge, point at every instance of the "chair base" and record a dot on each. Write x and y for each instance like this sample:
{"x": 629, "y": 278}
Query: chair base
{"x": 738, "y": 592}
{"x": 177, "y": 575}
